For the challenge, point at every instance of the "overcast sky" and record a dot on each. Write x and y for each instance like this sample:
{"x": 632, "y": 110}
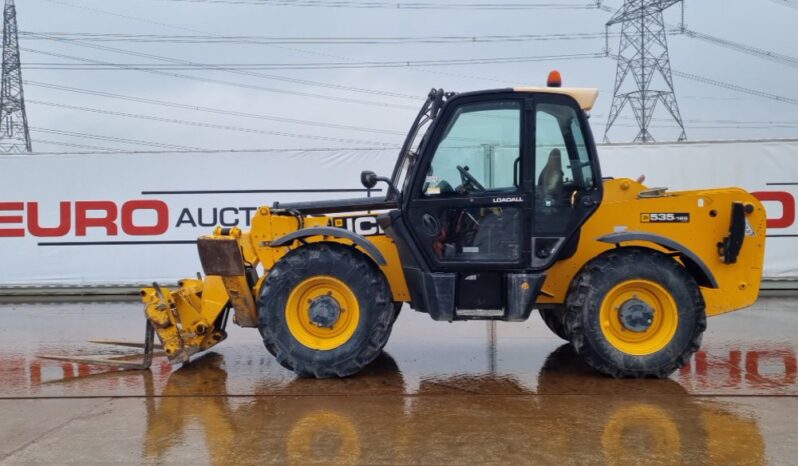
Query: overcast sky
{"x": 392, "y": 94}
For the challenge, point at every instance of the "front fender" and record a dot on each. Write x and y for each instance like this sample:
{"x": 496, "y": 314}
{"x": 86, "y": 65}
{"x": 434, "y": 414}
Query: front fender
{"x": 334, "y": 232}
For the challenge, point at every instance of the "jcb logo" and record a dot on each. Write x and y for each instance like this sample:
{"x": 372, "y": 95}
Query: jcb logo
{"x": 363, "y": 226}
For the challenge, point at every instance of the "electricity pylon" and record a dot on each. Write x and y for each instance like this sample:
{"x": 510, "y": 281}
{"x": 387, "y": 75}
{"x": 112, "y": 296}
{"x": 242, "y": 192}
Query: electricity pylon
{"x": 14, "y": 132}
{"x": 643, "y": 55}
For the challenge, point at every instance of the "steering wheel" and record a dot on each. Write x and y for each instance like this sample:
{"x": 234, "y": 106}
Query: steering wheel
{"x": 468, "y": 178}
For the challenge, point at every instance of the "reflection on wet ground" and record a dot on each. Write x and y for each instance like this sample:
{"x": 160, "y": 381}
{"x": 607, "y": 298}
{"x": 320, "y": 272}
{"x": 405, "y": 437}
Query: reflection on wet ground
{"x": 442, "y": 393}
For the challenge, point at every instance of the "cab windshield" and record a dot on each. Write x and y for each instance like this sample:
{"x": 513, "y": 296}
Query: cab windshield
{"x": 408, "y": 156}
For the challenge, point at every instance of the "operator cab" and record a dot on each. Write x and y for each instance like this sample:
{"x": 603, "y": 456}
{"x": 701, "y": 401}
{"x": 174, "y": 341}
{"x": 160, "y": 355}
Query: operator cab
{"x": 493, "y": 194}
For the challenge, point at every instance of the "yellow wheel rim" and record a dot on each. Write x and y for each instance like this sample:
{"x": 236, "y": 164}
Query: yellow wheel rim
{"x": 301, "y": 322}
{"x": 621, "y": 317}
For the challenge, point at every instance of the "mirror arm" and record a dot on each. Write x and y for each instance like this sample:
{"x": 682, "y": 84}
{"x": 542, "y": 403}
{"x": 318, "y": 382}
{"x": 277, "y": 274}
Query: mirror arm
{"x": 391, "y": 188}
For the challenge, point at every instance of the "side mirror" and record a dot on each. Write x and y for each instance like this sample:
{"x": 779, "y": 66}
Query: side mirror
{"x": 368, "y": 179}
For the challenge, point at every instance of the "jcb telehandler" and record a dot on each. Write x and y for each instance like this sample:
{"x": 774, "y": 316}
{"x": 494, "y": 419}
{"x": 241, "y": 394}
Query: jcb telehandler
{"x": 498, "y": 208}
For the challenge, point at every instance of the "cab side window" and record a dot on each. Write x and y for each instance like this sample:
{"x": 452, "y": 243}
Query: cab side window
{"x": 588, "y": 180}
{"x": 550, "y": 165}
{"x": 562, "y": 166}
{"x": 479, "y": 152}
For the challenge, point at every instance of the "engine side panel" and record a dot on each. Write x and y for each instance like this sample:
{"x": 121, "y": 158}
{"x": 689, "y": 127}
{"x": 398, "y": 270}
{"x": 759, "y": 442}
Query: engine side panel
{"x": 698, "y": 220}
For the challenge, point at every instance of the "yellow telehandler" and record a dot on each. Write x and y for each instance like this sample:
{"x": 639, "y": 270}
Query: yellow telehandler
{"x": 496, "y": 208}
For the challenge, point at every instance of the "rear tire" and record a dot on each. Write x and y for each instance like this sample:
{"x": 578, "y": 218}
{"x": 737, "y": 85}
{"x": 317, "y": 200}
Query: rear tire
{"x": 555, "y": 321}
{"x": 341, "y": 277}
{"x": 635, "y": 312}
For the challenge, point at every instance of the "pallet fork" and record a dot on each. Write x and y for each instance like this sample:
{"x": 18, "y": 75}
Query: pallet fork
{"x": 118, "y": 361}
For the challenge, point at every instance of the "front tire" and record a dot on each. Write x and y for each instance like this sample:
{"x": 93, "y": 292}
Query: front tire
{"x": 635, "y": 312}
{"x": 325, "y": 311}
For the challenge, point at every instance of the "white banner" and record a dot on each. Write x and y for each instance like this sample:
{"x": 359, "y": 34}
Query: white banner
{"x": 131, "y": 218}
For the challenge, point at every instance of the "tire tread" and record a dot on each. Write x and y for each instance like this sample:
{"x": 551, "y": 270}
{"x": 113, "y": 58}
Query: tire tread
{"x": 595, "y": 273}
{"x": 352, "y": 264}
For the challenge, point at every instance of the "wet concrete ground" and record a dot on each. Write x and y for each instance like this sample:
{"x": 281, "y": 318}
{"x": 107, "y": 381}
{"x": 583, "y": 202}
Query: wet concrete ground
{"x": 441, "y": 394}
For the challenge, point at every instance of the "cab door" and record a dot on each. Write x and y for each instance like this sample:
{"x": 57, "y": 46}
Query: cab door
{"x": 468, "y": 210}
{"x": 567, "y": 180}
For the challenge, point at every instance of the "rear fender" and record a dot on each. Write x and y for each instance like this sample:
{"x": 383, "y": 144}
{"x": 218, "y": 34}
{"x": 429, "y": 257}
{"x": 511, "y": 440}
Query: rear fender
{"x": 697, "y": 268}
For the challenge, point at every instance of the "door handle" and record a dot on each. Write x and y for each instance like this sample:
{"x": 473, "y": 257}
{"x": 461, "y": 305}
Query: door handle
{"x": 431, "y": 225}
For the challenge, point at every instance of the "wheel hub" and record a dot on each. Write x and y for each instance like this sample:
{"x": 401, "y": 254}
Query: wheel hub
{"x": 324, "y": 311}
{"x": 636, "y": 315}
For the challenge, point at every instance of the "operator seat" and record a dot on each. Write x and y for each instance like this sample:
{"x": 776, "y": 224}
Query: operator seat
{"x": 550, "y": 181}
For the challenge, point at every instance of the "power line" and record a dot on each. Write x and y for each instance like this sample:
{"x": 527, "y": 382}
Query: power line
{"x": 712, "y": 97}
{"x": 750, "y": 50}
{"x": 77, "y": 146}
{"x": 273, "y": 77}
{"x": 249, "y": 130}
{"x": 241, "y": 72}
{"x": 305, "y": 66}
{"x": 604, "y": 8}
{"x": 709, "y": 127}
{"x": 736, "y": 88}
{"x": 283, "y": 119}
{"x": 228, "y": 83}
{"x": 600, "y": 7}
{"x": 380, "y": 40}
{"x": 765, "y": 123}
{"x": 120, "y": 15}
{"x": 260, "y": 74}
{"x": 255, "y": 150}
{"x": 160, "y": 23}
{"x": 182, "y": 28}
{"x": 202, "y": 124}
{"x": 219, "y": 111}
{"x": 737, "y": 46}
{"x": 402, "y": 5}
{"x": 112, "y": 139}
{"x": 207, "y": 125}
{"x": 743, "y": 48}
{"x": 286, "y": 40}
{"x": 85, "y": 38}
